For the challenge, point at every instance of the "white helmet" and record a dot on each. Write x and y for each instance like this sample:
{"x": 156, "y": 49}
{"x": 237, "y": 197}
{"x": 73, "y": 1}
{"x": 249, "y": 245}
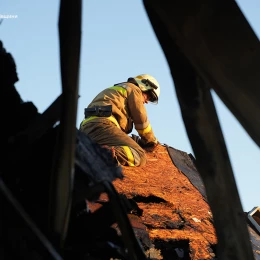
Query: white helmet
{"x": 149, "y": 83}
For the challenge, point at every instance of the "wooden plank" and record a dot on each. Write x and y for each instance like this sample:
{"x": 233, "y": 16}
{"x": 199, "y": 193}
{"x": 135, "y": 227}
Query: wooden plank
{"x": 63, "y": 171}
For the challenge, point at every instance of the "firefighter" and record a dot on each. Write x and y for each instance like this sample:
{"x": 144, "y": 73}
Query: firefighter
{"x": 110, "y": 116}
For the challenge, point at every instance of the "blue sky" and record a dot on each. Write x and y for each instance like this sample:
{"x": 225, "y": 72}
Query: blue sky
{"x": 118, "y": 42}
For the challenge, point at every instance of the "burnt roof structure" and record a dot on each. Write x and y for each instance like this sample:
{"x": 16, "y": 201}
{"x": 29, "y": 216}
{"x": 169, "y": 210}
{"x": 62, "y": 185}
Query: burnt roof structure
{"x": 174, "y": 220}
{"x": 49, "y": 171}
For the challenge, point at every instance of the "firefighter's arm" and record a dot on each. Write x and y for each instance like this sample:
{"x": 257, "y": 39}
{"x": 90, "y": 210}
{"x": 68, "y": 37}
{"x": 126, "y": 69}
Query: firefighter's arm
{"x": 140, "y": 119}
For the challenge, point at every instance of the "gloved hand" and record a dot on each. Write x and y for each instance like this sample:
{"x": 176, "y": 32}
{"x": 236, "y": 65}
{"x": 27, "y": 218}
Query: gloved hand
{"x": 136, "y": 138}
{"x": 150, "y": 146}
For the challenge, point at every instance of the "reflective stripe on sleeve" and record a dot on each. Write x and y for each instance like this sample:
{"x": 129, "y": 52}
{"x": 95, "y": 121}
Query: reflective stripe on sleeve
{"x": 120, "y": 89}
{"x": 142, "y": 126}
{"x": 129, "y": 154}
{"x": 144, "y": 131}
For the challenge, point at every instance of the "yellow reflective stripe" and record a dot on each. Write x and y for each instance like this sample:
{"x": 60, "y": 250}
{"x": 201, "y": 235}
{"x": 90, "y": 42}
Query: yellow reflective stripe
{"x": 111, "y": 118}
{"x": 144, "y": 131}
{"x": 122, "y": 90}
{"x": 142, "y": 126}
{"x": 129, "y": 154}
{"x": 87, "y": 119}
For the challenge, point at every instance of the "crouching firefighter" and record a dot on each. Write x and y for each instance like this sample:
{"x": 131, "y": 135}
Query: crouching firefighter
{"x": 110, "y": 116}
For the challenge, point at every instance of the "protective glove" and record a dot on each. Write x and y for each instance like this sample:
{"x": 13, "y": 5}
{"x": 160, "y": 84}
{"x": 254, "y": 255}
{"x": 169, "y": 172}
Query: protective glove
{"x": 136, "y": 138}
{"x": 150, "y": 146}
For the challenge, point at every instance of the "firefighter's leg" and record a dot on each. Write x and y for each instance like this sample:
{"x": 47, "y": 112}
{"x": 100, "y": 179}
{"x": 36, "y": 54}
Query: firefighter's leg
{"x": 127, "y": 151}
{"x": 127, "y": 155}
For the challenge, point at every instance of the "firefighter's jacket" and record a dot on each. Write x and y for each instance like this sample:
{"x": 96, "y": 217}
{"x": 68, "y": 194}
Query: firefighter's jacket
{"x": 127, "y": 108}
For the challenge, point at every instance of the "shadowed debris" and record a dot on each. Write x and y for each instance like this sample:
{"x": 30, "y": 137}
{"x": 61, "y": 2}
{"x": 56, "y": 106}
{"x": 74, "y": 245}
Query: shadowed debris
{"x": 149, "y": 199}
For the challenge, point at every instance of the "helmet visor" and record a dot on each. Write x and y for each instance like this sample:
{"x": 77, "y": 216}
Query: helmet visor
{"x": 152, "y": 97}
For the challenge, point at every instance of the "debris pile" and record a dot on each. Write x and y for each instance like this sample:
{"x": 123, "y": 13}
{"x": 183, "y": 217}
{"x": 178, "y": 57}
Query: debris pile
{"x": 173, "y": 213}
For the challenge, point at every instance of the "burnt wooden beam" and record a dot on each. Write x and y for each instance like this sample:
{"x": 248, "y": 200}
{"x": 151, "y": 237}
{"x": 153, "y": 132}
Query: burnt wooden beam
{"x": 222, "y": 47}
{"x": 63, "y": 170}
{"x": 193, "y": 71}
{"x": 213, "y": 162}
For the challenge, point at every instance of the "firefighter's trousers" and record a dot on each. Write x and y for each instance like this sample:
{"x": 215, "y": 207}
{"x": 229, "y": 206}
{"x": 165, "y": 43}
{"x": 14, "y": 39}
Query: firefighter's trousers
{"x": 105, "y": 132}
